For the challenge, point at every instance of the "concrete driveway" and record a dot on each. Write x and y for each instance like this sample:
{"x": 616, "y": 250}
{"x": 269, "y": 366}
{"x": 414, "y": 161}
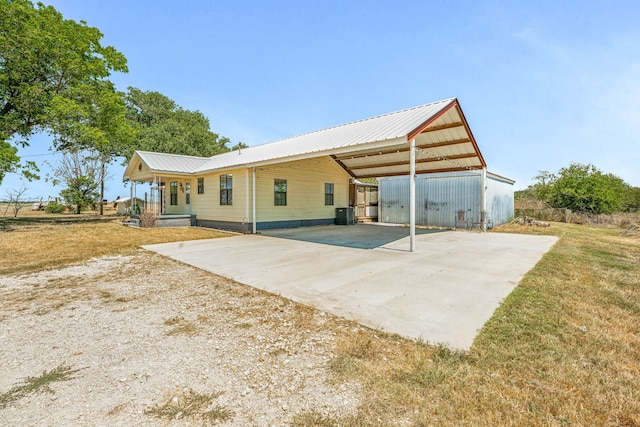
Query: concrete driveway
{"x": 442, "y": 293}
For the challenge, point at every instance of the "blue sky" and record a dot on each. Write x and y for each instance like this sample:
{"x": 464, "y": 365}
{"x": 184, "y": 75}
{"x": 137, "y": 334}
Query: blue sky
{"x": 542, "y": 83}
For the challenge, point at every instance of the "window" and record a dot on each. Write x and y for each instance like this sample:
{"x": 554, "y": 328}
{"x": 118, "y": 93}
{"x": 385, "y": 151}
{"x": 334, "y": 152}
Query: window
{"x": 173, "y": 190}
{"x": 187, "y": 193}
{"x": 280, "y": 192}
{"x": 328, "y": 194}
{"x": 200, "y": 185}
{"x": 226, "y": 189}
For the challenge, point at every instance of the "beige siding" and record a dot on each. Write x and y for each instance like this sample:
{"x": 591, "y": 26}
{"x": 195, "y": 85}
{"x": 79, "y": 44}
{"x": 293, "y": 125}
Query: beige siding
{"x": 305, "y": 193}
{"x": 305, "y": 190}
{"x": 207, "y": 206}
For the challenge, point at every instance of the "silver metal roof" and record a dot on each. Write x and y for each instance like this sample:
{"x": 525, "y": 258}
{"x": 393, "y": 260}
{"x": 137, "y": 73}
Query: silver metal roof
{"x": 391, "y": 126}
{"x": 171, "y": 163}
{"x": 373, "y": 147}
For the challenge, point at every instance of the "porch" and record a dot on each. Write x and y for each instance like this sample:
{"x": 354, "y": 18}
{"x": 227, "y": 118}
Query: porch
{"x": 166, "y": 221}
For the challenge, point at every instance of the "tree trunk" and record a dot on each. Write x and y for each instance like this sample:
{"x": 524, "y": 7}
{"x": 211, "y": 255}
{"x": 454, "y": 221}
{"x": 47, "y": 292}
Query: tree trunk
{"x": 101, "y": 185}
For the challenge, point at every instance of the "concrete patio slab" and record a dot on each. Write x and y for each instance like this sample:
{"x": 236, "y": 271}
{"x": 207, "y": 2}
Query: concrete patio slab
{"x": 442, "y": 293}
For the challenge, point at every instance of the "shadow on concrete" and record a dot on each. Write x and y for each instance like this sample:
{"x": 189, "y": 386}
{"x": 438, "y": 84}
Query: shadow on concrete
{"x": 359, "y": 236}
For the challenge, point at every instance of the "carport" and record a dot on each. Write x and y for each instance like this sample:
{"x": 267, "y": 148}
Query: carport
{"x": 407, "y": 146}
{"x": 444, "y": 293}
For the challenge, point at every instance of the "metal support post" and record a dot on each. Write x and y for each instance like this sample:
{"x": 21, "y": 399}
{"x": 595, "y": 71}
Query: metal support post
{"x": 412, "y": 196}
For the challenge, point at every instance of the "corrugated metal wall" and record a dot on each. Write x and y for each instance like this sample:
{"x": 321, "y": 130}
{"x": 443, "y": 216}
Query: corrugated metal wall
{"x": 444, "y": 198}
{"x": 499, "y": 200}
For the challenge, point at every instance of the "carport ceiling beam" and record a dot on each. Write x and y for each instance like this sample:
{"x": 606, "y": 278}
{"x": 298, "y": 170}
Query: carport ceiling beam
{"x": 382, "y": 175}
{"x": 403, "y": 149}
{"x": 429, "y": 160}
{"x": 343, "y": 166}
{"x": 443, "y": 127}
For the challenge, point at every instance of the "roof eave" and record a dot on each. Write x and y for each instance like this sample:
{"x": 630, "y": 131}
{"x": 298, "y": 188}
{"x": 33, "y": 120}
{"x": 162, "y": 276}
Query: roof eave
{"x": 341, "y": 150}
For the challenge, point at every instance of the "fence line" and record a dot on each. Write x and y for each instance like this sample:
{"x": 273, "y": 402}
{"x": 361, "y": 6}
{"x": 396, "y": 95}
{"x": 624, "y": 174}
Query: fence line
{"x": 545, "y": 214}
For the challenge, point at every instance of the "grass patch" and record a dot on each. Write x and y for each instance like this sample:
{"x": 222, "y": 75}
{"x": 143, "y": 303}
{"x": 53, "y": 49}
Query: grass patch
{"x": 181, "y": 326}
{"x": 37, "y": 246}
{"x": 35, "y": 385}
{"x": 313, "y": 419}
{"x": 191, "y": 405}
{"x": 562, "y": 349}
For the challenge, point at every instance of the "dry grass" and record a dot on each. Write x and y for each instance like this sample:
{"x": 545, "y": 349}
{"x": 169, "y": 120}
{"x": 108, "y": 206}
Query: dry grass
{"x": 181, "y": 326}
{"x": 562, "y": 350}
{"x": 191, "y": 405}
{"x": 38, "y": 246}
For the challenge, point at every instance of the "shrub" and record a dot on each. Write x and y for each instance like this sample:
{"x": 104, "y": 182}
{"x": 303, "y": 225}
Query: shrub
{"x": 148, "y": 219}
{"x": 54, "y": 208}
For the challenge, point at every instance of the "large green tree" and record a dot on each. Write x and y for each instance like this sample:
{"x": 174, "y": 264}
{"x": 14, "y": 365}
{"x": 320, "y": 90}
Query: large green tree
{"x": 582, "y": 188}
{"x": 54, "y": 77}
{"x": 631, "y": 199}
{"x": 81, "y": 172}
{"x": 163, "y": 126}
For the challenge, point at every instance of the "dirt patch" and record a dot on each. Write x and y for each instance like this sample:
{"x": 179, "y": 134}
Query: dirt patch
{"x": 145, "y": 334}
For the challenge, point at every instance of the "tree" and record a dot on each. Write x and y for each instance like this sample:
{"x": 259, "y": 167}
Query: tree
{"x": 53, "y": 74}
{"x": 581, "y": 188}
{"x": 631, "y": 199}
{"x": 163, "y": 126}
{"x": 80, "y": 171}
{"x": 101, "y": 126}
{"x": 239, "y": 146}
{"x": 15, "y": 200}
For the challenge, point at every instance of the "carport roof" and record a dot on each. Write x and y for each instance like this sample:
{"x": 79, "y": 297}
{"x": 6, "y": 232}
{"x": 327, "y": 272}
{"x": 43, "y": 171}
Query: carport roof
{"x": 373, "y": 147}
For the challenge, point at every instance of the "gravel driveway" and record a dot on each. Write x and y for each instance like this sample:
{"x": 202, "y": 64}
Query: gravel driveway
{"x": 142, "y": 334}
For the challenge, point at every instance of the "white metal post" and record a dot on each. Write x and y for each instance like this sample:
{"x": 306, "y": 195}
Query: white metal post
{"x": 483, "y": 200}
{"x": 255, "y": 223}
{"x": 412, "y": 196}
{"x": 246, "y": 197}
{"x": 131, "y": 196}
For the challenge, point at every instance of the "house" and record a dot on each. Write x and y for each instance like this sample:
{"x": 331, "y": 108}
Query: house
{"x": 127, "y": 205}
{"x": 304, "y": 180}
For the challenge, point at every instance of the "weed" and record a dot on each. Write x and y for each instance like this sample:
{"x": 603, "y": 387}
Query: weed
{"x": 181, "y": 326}
{"x": 117, "y": 409}
{"x": 190, "y": 404}
{"x": 361, "y": 345}
{"x": 313, "y": 418}
{"x": 174, "y": 321}
{"x": 40, "y": 384}
{"x": 105, "y": 294}
{"x": 243, "y": 325}
{"x": 277, "y": 352}
{"x": 423, "y": 373}
{"x": 343, "y": 365}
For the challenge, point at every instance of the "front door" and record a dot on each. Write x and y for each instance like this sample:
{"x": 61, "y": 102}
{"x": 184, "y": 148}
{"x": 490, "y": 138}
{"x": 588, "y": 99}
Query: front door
{"x": 187, "y": 197}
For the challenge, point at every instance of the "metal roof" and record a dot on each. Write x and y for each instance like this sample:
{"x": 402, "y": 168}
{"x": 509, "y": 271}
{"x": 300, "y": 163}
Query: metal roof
{"x": 171, "y": 163}
{"x": 373, "y": 147}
